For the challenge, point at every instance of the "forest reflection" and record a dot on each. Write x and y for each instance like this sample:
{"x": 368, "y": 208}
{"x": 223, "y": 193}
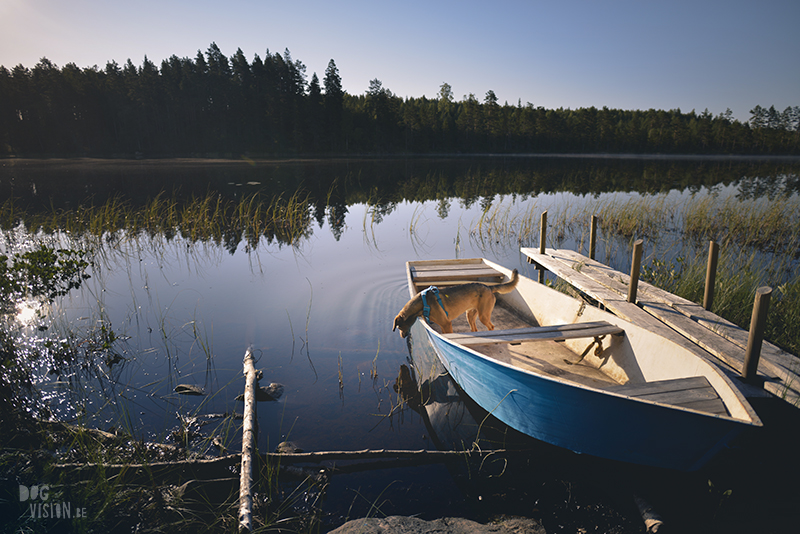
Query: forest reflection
{"x": 233, "y": 201}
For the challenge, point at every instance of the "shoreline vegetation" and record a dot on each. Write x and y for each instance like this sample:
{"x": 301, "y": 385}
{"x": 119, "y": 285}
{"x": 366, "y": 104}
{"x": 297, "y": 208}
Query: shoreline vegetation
{"x": 760, "y": 240}
{"x": 215, "y": 104}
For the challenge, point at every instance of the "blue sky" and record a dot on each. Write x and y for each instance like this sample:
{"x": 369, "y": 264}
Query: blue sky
{"x": 569, "y": 53}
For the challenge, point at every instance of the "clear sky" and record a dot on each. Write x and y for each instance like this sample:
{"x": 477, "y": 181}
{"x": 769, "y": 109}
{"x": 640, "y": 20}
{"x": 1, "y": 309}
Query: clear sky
{"x": 636, "y": 54}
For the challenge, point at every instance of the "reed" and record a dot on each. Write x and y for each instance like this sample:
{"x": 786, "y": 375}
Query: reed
{"x": 126, "y": 499}
{"x": 415, "y": 228}
{"x": 635, "y": 216}
{"x": 370, "y": 219}
{"x": 739, "y": 275}
{"x": 208, "y": 218}
{"x": 763, "y": 224}
{"x": 760, "y": 245}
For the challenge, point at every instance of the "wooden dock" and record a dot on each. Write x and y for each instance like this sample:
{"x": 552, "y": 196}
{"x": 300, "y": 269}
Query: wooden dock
{"x": 681, "y": 320}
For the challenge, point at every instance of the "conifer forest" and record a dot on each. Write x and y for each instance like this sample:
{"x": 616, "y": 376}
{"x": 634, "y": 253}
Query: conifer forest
{"x": 219, "y": 106}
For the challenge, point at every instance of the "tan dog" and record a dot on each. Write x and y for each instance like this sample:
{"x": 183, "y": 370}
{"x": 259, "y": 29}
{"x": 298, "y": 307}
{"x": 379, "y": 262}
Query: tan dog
{"x": 474, "y": 298}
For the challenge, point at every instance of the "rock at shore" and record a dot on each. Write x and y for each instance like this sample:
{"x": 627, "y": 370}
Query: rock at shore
{"x": 446, "y": 525}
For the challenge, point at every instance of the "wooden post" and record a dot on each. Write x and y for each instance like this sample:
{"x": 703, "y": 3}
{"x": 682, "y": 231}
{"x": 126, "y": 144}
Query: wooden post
{"x": 542, "y": 239}
{"x": 636, "y": 263}
{"x": 248, "y": 444}
{"x": 758, "y": 322}
{"x": 711, "y": 274}
{"x": 542, "y": 232}
{"x": 593, "y": 237}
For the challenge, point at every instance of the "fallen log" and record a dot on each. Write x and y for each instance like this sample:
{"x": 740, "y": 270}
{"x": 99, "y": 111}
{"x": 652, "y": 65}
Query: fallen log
{"x": 371, "y": 454}
{"x": 248, "y": 444}
{"x": 226, "y": 462}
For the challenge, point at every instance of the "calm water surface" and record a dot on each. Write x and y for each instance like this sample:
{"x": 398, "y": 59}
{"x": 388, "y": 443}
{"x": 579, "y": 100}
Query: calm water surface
{"x": 318, "y": 315}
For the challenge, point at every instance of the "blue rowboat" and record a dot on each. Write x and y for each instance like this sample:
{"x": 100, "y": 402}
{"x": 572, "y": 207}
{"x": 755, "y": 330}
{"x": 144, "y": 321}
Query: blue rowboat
{"x": 578, "y": 377}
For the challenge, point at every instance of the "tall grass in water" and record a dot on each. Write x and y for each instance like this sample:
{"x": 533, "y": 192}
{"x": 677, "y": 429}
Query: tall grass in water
{"x": 739, "y": 275}
{"x": 760, "y": 245}
{"x": 206, "y": 218}
{"x": 762, "y": 224}
{"x": 636, "y": 216}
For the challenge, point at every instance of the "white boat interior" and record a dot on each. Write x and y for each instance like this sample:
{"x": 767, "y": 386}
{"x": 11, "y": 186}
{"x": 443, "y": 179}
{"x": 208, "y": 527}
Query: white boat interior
{"x": 550, "y": 333}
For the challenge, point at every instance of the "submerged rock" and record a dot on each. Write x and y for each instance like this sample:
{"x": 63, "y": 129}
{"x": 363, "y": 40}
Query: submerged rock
{"x": 269, "y": 393}
{"x": 287, "y": 447}
{"x": 447, "y": 525}
{"x": 274, "y": 390}
{"x": 189, "y": 389}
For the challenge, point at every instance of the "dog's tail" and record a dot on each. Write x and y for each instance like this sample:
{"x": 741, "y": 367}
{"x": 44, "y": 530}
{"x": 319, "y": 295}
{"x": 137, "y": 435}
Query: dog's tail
{"x": 507, "y": 287}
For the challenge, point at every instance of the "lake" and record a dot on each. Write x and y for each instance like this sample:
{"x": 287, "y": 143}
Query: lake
{"x": 318, "y": 311}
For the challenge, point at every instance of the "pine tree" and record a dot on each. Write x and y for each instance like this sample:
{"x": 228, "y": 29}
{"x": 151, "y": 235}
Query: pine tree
{"x": 333, "y": 102}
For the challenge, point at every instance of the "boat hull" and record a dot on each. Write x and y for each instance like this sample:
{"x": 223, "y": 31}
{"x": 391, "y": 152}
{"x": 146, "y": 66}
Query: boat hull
{"x": 583, "y": 419}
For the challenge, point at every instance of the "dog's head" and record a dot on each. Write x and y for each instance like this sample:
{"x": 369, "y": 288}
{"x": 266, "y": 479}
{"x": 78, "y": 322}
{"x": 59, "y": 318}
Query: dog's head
{"x": 405, "y": 319}
{"x": 403, "y": 323}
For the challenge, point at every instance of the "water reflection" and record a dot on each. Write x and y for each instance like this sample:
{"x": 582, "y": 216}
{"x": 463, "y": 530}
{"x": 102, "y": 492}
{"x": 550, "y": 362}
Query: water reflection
{"x": 68, "y": 184}
{"x": 27, "y": 311}
{"x": 165, "y": 306}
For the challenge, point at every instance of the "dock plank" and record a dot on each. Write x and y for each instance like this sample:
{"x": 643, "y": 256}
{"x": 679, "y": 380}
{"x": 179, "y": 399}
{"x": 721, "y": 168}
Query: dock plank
{"x": 712, "y": 342}
{"x": 611, "y": 300}
{"x": 715, "y": 406}
{"x": 779, "y": 362}
{"x": 715, "y": 336}
{"x": 721, "y": 338}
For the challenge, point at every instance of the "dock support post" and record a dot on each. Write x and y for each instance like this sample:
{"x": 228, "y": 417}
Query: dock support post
{"x": 542, "y": 240}
{"x": 711, "y": 274}
{"x": 636, "y": 263}
{"x": 758, "y": 322}
{"x": 248, "y": 445}
{"x": 593, "y": 237}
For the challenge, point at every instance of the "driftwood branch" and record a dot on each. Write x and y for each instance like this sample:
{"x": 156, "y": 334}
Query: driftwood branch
{"x": 156, "y": 469}
{"x": 373, "y": 454}
{"x": 248, "y": 444}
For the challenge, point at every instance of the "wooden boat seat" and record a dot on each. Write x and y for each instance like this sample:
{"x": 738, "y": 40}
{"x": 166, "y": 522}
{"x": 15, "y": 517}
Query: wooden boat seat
{"x": 694, "y": 392}
{"x": 536, "y": 333}
{"x": 455, "y": 273}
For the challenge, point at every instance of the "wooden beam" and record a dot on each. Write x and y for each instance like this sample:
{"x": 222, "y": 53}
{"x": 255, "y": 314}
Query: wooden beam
{"x": 429, "y": 276}
{"x": 542, "y": 241}
{"x": 535, "y": 333}
{"x": 758, "y": 323}
{"x": 636, "y": 263}
{"x": 608, "y": 286}
{"x": 711, "y": 274}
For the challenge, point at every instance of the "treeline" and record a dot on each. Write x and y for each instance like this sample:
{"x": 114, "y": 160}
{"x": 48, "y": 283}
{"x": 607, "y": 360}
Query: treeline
{"x": 229, "y": 106}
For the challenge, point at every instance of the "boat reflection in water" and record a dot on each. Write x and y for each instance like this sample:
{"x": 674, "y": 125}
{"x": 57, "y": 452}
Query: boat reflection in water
{"x": 526, "y": 477}
{"x": 454, "y": 421}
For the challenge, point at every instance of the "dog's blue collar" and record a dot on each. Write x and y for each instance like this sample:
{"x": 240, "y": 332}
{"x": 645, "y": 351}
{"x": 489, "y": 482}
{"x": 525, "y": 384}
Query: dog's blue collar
{"x": 426, "y": 309}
